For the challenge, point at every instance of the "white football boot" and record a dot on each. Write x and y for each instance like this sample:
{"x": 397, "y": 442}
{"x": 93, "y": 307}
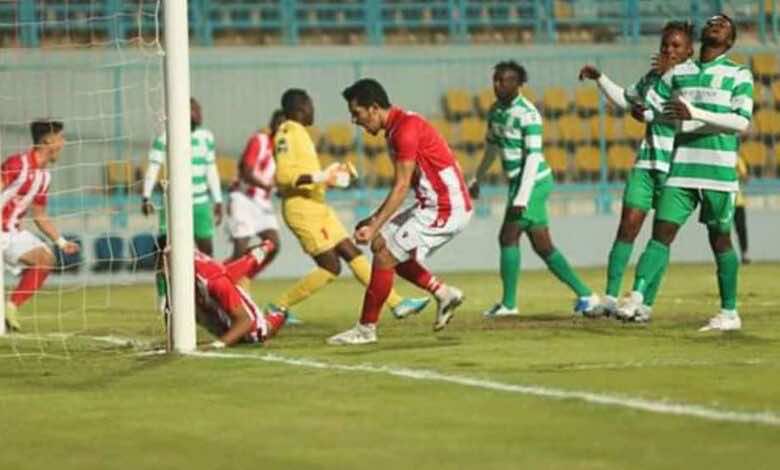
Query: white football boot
{"x": 498, "y": 310}
{"x": 643, "y": 314}
{"x": 606, "y": 308}
{"x": 587, "y": 305}
{"x": 629, "y": 306}
{"x": 358, "y": 334}
{"x": 723, "y": 322}
{"x": 447, "y": 303}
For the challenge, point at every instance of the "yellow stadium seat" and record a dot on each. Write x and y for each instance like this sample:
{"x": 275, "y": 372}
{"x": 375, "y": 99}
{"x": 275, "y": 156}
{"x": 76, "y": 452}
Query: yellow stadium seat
{"x": 374, "y": 143}
{"x": 552, "y": 131}
{"x": 754, "y": 153}
{"x": 776, "y": 92}
{"x": 458, "y": 103}
{"x": 468, "y": 162}
{"x": 767, "y": 122}
{"x": 563, "y": 9}
{"x": 119, "y": 174}
{"x": 633, "y": 129}
{"x": 529, "y": 93}
{"x": 557, "y": 159}
{"x": 340, "y": 137}
{"x": 326, "y": 158}
{"x": 572, "y": 129}
{"x": 472, "y": 132}
{"x": 587, "y": 158}
{"x": 383, "y": 168}
{"x": 485, "y": 100}
{"x": 586, "y": 99}
{"x": 765, "y": 65}
{"x": 739, "y": 58}
{"x": 555, "y": 100}
{"x": 495, "y": 173}
{"x": 612, "y": 131}
{"x": 228, "y": 169}
{"x": 620, "y": 158}
{"x": 445, "y": 129}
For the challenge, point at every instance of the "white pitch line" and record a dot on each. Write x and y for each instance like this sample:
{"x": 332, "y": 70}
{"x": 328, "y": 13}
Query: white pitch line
{"x": 652, "y": 406}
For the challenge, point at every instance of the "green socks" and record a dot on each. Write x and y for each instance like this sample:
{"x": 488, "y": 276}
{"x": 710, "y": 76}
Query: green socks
{"x": 510, "y": 273}
{"x": 651, "y": 265}
{"x": 728, "y": 267}
{"x": 618, "y": 260}
{"x": 558, "y": 265}
{"x": 652, "y": 287}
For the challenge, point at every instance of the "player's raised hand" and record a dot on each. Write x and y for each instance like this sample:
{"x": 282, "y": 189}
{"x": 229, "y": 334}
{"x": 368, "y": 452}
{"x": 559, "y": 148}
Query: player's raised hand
{"x": 70, "y": 248}
{"x": 661, "y": 63}
{"x": 677, "y": 109}
{"x": 147, "y": 207}
{"x": 638, "y": 112}
{"x": 218, "y": 211}
{"x": 364, "y": 234}
{"x": 589, "y": 72}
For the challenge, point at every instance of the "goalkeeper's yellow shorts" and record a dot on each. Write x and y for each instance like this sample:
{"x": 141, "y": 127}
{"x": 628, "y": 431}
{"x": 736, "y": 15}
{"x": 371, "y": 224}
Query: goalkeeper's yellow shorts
{"x": 314, "y": 224}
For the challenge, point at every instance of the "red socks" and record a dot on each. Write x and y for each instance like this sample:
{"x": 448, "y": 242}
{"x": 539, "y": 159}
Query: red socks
{"x": 377, "y": 292}
{"x": 415, "y": 273}
{"x": 275, "y": 322}
{"x": 32, "y": 279}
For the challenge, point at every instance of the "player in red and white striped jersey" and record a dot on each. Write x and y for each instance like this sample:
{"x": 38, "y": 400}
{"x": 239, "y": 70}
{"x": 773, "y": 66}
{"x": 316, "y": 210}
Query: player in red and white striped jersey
{"x": 224, "y": 307}
{"x": 400, "y": 240}
{"x": 251, "y": 212}
{"x": 25, "y": 185}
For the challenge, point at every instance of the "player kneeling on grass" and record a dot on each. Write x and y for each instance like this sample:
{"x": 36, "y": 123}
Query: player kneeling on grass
{"x": 224, "y": 308}
{"x": 401, "y": 239}
{"x": 25, "y": 185}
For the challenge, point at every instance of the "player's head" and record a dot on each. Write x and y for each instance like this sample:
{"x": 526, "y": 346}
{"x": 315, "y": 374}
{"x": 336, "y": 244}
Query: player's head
{"x": 298, "y": 106}
{"x": 508, "y": 77}
{"x": 196, "y": 114}
{"x": 719, "y": 31}
{"x": 368, "y": 104}
{"x": 48, "y": 138}
{"x": 677, "y": 41}
{"x": 277, "y": 118}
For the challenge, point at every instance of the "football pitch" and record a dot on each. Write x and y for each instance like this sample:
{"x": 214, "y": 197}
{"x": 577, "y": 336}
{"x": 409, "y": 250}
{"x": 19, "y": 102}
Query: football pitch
{"x": 544, "y": 390}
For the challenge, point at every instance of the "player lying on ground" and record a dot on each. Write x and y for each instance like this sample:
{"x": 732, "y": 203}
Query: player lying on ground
{"x": 227, "y": 310}
{"x": 401, "y": 240}
{"x": 712, "y": 99}
{"x": 515, "y": 135}
{"x": 250, "y": 211}
{"x": 302, "y": 184}
{"x": 25, "y": 185}
{"x": 653, "y": 159}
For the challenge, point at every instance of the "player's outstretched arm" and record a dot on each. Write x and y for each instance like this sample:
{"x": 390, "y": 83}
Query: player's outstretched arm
{"x": 241, "y": 325}
{"x": 45, "y": 225}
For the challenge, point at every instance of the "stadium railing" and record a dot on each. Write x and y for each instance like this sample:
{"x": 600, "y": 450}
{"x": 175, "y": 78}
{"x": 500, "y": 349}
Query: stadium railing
{"x": 460, "y": 21}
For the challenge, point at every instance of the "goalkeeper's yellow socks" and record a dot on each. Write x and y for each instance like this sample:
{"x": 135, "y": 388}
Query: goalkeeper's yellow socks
{"x": 362, "y": 271}
{"x": 306, "y": 286}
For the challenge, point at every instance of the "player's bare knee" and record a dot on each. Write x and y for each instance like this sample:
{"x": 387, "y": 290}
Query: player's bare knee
{"x": 329, "y": 261}
{"x": 664, "y": 232}
{"x": 46, "y": 259}
{"x": 509, "y": 235}
{"x": 720, "y": 241}
{"x": 628, "y": 231}
{"x": 378, "y": 245}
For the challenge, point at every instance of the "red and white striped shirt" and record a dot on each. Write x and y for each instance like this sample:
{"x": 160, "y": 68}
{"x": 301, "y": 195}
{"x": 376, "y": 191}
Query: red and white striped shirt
{"x": 24, "y": 184}
{"x": 259, "y": 156}
{"x": 438, "y": 182}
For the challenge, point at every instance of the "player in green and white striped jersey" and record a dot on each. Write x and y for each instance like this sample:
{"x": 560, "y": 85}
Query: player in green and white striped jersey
{"x": 206, "y": 189}
{"x": 712, "y": 100}
{"x": 515, "y": 135}
{"x": 653, "y": 159}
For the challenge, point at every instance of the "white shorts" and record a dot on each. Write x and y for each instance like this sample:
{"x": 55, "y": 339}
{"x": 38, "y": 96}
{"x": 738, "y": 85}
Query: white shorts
{"x": 15, "y": 245}
{"x": 248, "y": 217}
{"x": 413, "y": 234}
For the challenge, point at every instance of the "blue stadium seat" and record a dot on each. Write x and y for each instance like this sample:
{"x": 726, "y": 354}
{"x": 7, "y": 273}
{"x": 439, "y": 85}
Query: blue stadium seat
{"x": 109, "y": 253}
{"x": 143, "y": 251}
{"x": 68, "y": 263}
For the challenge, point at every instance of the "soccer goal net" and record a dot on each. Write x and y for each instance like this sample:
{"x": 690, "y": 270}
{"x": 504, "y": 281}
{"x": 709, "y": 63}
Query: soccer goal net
{"x": 97, "y": 67}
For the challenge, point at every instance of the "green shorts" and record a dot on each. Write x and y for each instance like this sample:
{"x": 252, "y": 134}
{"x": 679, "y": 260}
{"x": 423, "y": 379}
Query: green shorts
{"x": 535, "y": 214}
{"x": 717, "y": 207}
{"x": 643, "y": 189}
{"x": 202, "y": 221}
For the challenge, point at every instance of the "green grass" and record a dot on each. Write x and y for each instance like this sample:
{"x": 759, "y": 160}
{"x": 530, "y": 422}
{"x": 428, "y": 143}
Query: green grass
{"x": 85, "y": 404}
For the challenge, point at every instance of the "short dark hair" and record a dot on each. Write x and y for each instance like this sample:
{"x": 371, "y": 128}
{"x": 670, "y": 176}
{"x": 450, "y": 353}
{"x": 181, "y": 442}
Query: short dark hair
{"x": 685, "y": 27}
{"x": 292, "y": 100}
{"x": 366, "y": 92}
{"x": 43, "y": 127}
{"x": 511, "y": 65}
{"x": 733, "y": 27}
{"x": 277, "y": 117}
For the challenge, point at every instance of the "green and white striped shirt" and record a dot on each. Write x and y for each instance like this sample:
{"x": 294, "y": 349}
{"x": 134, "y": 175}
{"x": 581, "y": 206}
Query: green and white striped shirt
{"x": 515, "y": 133}
{"x": 706, "y": 158}
{"x": 655, "y": 150}
{"x": 203, "y": 157}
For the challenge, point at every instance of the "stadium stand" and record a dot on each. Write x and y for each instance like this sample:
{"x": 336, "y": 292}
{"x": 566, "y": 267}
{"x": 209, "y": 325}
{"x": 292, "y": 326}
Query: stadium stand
{"x": 228, "y": 170}
{"x": 109, "y": 253}
{"x": 143, "y": 250}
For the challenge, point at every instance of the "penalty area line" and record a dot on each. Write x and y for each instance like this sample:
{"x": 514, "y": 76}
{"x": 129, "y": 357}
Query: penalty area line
{"x": 652, "y": 406}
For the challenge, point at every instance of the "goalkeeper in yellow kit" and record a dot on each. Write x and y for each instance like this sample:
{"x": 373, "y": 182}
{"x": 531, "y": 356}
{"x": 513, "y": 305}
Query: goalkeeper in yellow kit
{"x": 302, "y": 184}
